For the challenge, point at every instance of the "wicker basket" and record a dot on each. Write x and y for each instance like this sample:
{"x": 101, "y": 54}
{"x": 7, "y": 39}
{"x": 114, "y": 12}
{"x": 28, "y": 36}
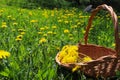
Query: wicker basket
{"x": 105, "y": 61}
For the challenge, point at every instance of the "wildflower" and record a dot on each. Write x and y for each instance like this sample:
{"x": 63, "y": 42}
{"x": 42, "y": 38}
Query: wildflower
{"x": 66, "y": 22}
{"x": 34, "y": 21}
{"x": 113, "y": 44}
{"x": 15, "y": 23}
{"x": 69, "y": 59}
{"x": 76, "y": 68}
{"x": 49, "y": 32}
{"x": 19, "y": 38}
{"x": 22, "y": 33}
{"x": 71, "y": 38}
{"x": 9, "y": 16}
{"x": 4, "y": 54}
{"x": 1, "y": 11}
{"x": 42, "y": 28}
{"x": 54, "y": 27}
{"x": 86, "y": 59}
{"x": 40, "y": 33}
{"x": 75, "y": 26}
{"x": 66, "y": 31}
{"x": 46, "y": 27}
{"x": 4, "y": 25}
{"x": 59, "y": 20}
{"x": 42, "y": 40}
{"x": 13, "y": 19}
{"x": 21, "y": 30}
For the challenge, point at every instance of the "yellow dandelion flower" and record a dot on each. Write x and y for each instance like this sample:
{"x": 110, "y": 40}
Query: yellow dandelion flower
{"x": 22, "y": 33}
{"x": 54, "y": 27}
{"x": 68, "y": 54}
{"x": 46, "y": 27}
{"x": 71, "y": 38}
{"x": 113, "y": 44}
{"x": 42, "y": 40}
{"x": 69, "y": 59}
{"x": 62, "y": 55}
{"x": 50, "y": 32}
{"x": 19, "y": 38}
{"x": 1, "y": 11}
{"x": 76, "y": 68}
{"x": 66, "y": 22}
{"x": 34, "y": 21}
{"x": 42, "y": 28}
{"x": 4, "y": 54}
{"x": 75, "y": 26}
{"x": 15, "y": 23}
{"x": 40, "y": 32}
{"x": 66, "y": 31}
{"x": 21, "y": 30}
{"x": 9, "y": 16}
{"x": 70, "y": 35}
{"x": 59, "y": 20}
{"x": 86, "y": 59}
{"x": 4, "y": 24}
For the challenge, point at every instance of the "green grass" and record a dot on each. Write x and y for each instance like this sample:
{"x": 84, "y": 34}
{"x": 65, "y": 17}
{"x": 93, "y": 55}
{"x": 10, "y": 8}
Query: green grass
{"x": 32, "y": 60}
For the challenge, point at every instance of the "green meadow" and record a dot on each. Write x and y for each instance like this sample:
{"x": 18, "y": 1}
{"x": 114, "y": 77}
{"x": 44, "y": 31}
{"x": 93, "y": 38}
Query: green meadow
{"x": 33, "y": 37}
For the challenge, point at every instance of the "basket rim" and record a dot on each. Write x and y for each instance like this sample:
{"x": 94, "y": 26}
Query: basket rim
{"x": 71, "y": 65}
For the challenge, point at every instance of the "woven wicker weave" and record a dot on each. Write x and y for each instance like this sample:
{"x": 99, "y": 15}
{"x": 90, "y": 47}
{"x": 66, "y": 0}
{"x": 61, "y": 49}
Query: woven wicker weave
{"x": 105, "y": 61}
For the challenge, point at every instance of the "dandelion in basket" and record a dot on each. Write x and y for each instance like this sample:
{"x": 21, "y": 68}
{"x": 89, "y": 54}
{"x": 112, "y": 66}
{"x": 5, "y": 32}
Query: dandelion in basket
{"x": 70, "y": 54}
{"x": 4, "y": 54}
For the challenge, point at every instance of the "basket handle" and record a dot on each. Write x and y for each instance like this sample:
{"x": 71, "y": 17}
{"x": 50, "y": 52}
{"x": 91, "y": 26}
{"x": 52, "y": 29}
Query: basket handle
{"x": 115, "y": 22}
